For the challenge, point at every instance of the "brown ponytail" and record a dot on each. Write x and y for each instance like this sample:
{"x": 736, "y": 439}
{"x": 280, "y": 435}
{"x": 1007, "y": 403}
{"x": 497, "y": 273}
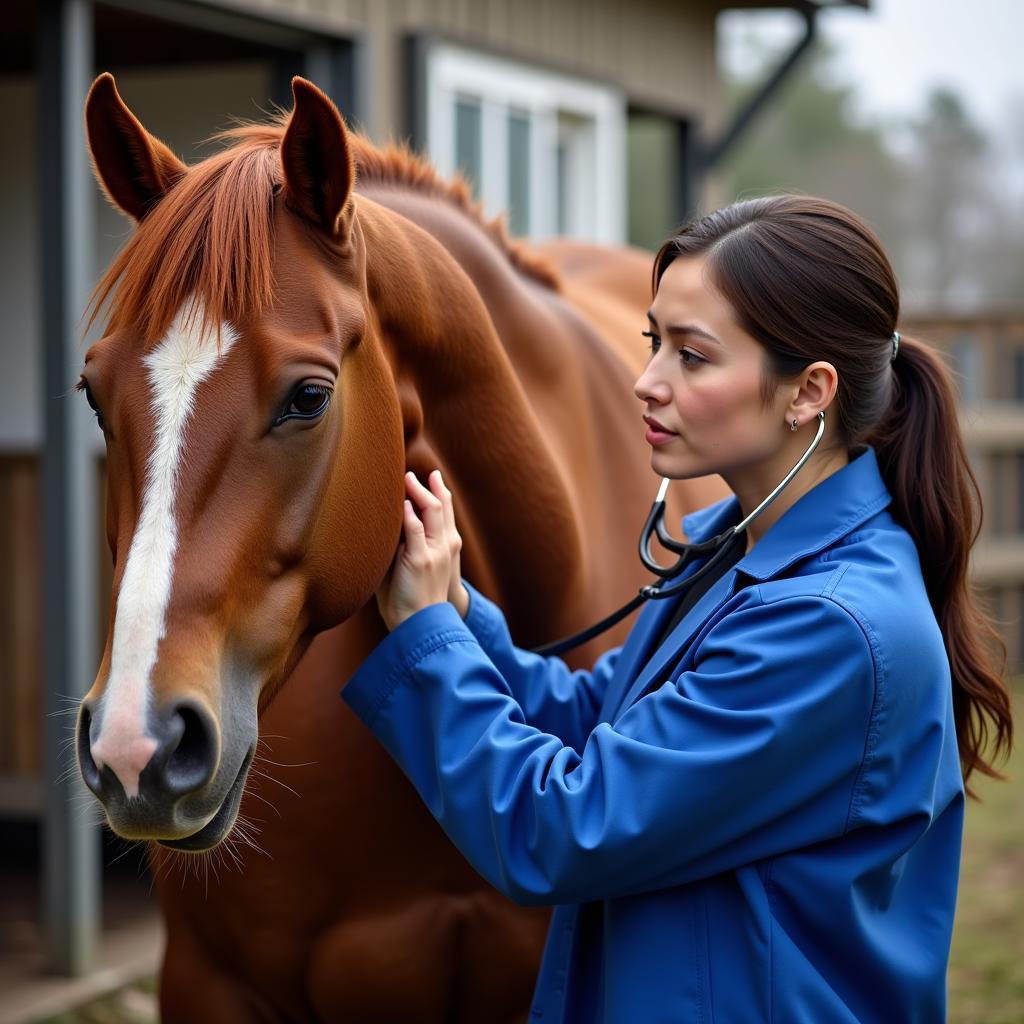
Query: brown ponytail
{"x": 936, "y": 499}
{"x": 809, "y": 280}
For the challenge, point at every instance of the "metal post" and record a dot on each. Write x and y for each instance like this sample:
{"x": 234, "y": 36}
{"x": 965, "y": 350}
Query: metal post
{"x": 416, "y": 49}
{"x": 332, "y": 64}
{"x": 749, "y": 111}
{"x": 71, "y": 890}
{"x": 286, "y": 64}
{"x": 688, "y": 180}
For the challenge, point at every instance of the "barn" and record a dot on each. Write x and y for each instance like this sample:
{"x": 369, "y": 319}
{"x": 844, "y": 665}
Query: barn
{"x": 597, "y": 119}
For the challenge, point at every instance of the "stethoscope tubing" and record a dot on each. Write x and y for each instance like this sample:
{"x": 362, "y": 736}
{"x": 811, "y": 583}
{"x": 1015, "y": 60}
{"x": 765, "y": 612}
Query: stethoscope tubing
{"x": 718, "y": 547}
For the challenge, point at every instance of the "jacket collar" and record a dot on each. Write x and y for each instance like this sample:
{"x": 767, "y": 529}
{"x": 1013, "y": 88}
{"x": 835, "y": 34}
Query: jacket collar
{"x": 830, "y": 510}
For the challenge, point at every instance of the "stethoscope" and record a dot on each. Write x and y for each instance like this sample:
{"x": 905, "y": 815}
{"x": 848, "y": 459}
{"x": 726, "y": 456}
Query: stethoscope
{"x": 717, "y": 547}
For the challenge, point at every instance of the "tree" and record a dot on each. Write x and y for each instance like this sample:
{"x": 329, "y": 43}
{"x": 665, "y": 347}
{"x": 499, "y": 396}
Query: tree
{"x": 930, "y": 186}
{"x": 949, "y": 209}
{"x": 811, "y": 140}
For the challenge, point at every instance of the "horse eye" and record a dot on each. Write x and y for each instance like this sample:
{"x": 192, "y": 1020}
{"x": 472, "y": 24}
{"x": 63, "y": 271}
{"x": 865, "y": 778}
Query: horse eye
{"x": 84, "y": 386}
{"x": 309, "y": 402}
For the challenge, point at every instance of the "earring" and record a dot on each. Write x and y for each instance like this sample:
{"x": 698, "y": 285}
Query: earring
{"x": 792, "y": 425}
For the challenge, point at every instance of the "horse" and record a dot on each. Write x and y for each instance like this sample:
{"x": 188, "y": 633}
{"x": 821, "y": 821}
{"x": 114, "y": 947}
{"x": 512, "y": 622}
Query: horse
{"x": 295, "y": 322}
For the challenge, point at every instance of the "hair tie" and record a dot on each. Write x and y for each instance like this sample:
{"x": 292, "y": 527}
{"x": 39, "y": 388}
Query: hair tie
{"x": 895, "y": 345}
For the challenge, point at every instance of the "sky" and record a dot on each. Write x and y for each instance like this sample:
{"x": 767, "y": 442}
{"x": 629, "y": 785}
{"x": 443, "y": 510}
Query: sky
{"x": 896, "y": 51}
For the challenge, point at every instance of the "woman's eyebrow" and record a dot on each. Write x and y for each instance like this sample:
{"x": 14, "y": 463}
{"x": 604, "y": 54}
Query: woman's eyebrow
{"x": 684, "y": 329}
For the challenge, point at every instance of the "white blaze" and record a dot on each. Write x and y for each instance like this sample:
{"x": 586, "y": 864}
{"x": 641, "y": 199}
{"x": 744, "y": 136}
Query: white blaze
{"x": 177, "y": 366}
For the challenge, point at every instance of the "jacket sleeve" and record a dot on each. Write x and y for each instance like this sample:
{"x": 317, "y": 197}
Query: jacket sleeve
{"x": 755, "y": 751}
{"x": 553, "y": 697}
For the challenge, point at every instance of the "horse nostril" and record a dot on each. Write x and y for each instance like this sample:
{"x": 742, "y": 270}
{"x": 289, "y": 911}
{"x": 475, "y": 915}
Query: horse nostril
{"x": 86, "y": 762}
{"x": 191, "y": 761}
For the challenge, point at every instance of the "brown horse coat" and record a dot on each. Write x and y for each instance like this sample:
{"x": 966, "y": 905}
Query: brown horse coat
{"x": 295, "y": 322}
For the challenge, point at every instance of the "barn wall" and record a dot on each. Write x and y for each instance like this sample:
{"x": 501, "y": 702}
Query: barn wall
{"x": 660, "y": 52}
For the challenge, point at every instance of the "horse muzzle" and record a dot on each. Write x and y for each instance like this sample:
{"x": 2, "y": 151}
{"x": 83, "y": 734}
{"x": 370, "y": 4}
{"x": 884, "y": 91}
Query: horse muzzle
{"x": 173, "y": 784}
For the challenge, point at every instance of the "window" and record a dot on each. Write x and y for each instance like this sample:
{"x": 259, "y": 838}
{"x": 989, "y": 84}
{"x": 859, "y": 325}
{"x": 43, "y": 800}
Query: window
{"x": 546, "y": 148}
{"x": 1018, "y": 375}
{"x": 519, "y": 172}
{"x": 468, "y": 152}
{"x": 1018, "y": 458}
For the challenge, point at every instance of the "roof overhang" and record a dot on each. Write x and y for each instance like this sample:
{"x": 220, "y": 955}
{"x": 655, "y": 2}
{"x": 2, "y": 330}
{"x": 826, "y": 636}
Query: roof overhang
{"x": 821, "y": 5}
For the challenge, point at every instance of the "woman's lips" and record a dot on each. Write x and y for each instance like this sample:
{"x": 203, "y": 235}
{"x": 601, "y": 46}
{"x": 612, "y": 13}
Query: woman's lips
{"x": 656, "y": 433}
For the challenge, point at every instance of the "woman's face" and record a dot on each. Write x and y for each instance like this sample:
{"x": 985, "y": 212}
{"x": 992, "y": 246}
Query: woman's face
{"x": 702, "y": 385}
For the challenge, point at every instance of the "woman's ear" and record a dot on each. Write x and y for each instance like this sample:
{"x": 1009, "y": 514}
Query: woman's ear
{"x": 815, "y": 390}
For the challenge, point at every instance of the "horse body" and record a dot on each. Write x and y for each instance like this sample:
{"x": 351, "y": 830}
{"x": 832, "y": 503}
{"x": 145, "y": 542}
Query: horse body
{"x": 443, "y": 346}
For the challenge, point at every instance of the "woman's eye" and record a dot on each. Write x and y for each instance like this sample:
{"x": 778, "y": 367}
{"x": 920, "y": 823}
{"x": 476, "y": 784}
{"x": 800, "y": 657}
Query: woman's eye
{"x": 686, "y": 357}
{"x": 309, "y": 402}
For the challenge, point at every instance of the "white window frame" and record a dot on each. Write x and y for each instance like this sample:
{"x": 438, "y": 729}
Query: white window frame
{"x": 598, "y": 166}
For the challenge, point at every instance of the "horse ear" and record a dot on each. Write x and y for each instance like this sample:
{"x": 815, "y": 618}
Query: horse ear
{"x": 318, "y": 168}
{"x": 134, "y": 168}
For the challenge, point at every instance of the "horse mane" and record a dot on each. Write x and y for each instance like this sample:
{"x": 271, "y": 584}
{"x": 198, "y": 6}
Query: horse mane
{"x": 209, "y": 240}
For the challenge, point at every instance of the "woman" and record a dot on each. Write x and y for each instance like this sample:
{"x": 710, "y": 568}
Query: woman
{"x": 752, "y": 811}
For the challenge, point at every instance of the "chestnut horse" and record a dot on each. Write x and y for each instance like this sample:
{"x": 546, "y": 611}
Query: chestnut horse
{"x": 282, "y": 345}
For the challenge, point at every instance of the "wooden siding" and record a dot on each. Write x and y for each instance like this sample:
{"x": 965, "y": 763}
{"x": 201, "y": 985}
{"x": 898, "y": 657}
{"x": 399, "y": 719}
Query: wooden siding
{"x": 660, "y": 52}
{"x": 20, "y": 617}
{"x": 21, "y": 614}
{"x": 993, "y": 426}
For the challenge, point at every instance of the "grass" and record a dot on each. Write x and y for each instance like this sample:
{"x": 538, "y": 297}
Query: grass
{"x": 134, "y": 1004}
{"x": 986, "y": 972}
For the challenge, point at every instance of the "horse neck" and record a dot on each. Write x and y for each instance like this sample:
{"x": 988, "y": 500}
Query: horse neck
{"x": 527, "y": 315}
{"x": 465, "y": 412}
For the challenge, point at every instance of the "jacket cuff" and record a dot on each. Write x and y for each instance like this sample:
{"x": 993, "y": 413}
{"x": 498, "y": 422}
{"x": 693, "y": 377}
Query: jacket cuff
{"x": 392, "y": 661}
{"x": 483, "y": 616}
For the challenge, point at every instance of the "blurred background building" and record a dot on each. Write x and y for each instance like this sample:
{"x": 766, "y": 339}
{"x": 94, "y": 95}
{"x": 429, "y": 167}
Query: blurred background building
{"x": 940, "y": 180}
{"x": 608, "y": 120}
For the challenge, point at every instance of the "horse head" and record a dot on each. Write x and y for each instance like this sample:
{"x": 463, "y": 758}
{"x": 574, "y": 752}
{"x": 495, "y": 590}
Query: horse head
{"x": 255, "y": 451}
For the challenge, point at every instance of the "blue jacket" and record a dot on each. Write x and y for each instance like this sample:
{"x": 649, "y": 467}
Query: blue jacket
{"x": 758, "y": 821}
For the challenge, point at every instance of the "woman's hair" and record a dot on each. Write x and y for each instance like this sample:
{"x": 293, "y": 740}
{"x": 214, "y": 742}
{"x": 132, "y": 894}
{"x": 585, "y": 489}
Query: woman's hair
{"x": 808, "y": 279}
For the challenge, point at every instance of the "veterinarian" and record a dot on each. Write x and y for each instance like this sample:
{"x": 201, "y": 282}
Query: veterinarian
{"x": 752, "y": 811}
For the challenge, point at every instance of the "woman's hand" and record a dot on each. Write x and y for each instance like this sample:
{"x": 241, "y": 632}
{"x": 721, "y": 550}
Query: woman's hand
{"x": 426, "y": 569}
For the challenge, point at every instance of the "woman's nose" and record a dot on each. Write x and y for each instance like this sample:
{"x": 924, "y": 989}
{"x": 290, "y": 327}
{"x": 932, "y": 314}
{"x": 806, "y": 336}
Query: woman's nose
{"x": 649, "y": 387}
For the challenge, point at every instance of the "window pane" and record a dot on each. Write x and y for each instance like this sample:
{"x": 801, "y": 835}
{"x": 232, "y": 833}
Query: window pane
{"x": 574, "y": 167}
{"x": 1018, "y": 375}
{"x": 519, "y": 172}
{"x": 1019, "y": 458}
{"x": 468, "y": 157}
{"x": 653, "y": 150}
{"x": 562, "y": 186}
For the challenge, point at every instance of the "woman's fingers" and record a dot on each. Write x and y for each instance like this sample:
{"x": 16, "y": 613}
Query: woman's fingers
{"x": 415, "y": 538}
{"x": 440, "y": 491}
{"x": 428, "y": 505}
{"x": 426, "y": 568}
